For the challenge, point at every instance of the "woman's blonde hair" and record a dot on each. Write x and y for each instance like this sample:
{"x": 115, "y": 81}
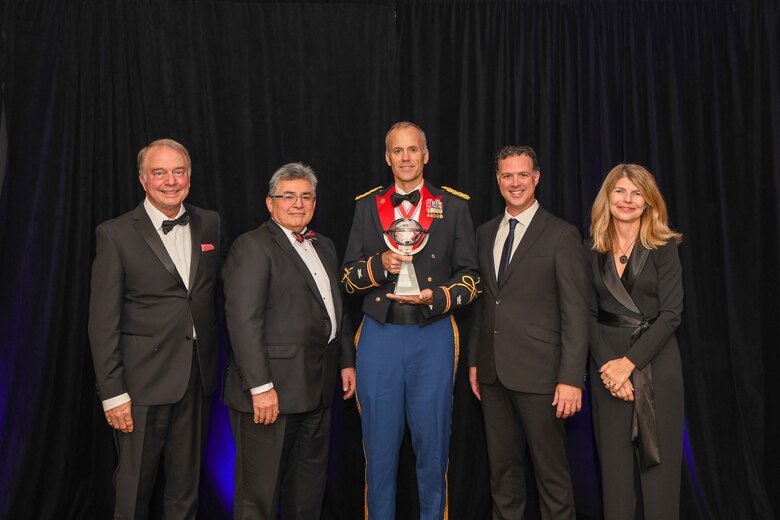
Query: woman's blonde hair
{"x": 654, "y": 227}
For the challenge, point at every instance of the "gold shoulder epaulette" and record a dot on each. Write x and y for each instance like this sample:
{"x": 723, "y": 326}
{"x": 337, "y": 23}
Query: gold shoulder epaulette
{"x": 456, "y": 193}
{"x": 369, "y": 192}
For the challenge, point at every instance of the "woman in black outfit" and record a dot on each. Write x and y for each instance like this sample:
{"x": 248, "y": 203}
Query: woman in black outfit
{"x": 635, "y": 372}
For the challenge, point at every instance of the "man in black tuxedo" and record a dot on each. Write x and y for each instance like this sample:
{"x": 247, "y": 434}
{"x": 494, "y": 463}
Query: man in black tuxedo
{"x": 286, "y": 322}
{"x": 528, "y": 349}
{"x": 152, "y": 333}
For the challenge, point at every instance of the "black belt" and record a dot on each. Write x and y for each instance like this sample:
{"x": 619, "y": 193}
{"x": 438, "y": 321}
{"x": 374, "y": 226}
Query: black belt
{"x": 402, "y": 314}
{"x": 640, "y": 325}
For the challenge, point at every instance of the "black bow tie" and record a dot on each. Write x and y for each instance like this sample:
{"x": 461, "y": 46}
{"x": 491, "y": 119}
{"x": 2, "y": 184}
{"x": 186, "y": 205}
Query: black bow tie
{"x": 413, "y": 197}
{"x": 168, "y": 225}
{"x": 309, "y": 234}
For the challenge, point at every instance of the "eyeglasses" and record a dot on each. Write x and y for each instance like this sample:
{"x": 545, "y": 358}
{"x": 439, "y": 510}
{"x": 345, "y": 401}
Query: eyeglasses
{"x": 292, "y": 197}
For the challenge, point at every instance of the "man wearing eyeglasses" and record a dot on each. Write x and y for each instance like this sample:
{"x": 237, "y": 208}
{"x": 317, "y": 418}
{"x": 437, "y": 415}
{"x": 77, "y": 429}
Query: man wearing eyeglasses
{"x": 289, "y": 337}
{"x": 408, "y": 344}
{"x": 152, "y": 333}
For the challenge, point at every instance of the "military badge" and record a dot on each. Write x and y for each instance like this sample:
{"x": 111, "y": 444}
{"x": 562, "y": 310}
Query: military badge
{"x": 434, "y": 208}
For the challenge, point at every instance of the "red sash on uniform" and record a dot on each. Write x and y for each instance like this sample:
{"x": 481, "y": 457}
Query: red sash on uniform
{"x": 387, "y": 212}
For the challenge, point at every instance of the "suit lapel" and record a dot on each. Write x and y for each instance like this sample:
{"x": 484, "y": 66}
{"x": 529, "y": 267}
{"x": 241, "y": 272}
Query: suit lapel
{"x": 143, "y": 225}
{"x": 531, "y": 235}
{"x": 284, "y": 243}
{"x": 384, "y": 214}
{"x": 614, "y": 285}
{"x": 196, "y": 228}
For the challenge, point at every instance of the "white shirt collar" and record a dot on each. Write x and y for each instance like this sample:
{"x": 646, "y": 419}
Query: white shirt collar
{"x": 289, "y": 233}
{"x": 156, "y": 216}
{"x": 402, "y": 192}
{"x": 523, "y": 218}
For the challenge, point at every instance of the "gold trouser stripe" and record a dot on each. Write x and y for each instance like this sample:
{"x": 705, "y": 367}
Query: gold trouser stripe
{"x": 357, "y": 340}
{"x": 456, "y": 336}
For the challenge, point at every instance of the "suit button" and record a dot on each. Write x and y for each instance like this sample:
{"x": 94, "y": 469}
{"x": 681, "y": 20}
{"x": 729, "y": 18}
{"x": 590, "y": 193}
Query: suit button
{"x": 187, "y": 337}
{"x": 430, "y": 279}
{"x": 156, "y": 349}
{"x": 433, "y": 255}
{"x": 377, "y": 299}
{"x": 495, "y": 332}
{"x": 189, "y": 297}
{"x": 498, "y": 302}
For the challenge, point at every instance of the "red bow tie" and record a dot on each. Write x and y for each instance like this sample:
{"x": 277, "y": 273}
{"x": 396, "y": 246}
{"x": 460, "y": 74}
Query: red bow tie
{"x": 309, "y": 234}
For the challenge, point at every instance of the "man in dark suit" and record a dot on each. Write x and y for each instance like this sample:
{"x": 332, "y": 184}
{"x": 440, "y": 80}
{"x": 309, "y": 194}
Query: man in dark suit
{"x": 408, "y": 344}
{"x": 286, "y": 322}
{"x": 152, "y": 333}
{"x": 528, "y": 349}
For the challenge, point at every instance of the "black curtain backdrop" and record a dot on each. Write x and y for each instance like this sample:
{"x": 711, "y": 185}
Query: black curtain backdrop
{"x": 690, "y": 89}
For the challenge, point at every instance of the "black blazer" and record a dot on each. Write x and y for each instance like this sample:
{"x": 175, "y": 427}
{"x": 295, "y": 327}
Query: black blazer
{"x": 654, "y": 282}
{"x": 447, "y": 264}
{"x": 532, "y": 333}
{"x": 141, "y": 315}
{"x": 278, "y": 324}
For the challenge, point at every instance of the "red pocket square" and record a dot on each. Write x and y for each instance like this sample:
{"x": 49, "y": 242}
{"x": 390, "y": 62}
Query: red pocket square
{"x": 207, "y": 247}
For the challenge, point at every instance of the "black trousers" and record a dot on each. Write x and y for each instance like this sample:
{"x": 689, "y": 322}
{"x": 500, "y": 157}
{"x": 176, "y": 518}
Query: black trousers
{"x": 284, "y": 463}
{"x": 173, "y": 434}
{"x": 513, "y": 419}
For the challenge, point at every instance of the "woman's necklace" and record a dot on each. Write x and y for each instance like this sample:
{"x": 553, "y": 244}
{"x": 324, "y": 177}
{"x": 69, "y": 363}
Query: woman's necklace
{"x": 624, "y": 257}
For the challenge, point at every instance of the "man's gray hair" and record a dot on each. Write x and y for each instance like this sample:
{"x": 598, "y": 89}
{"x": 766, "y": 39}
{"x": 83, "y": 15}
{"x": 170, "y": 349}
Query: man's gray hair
{"x": 170, "y": 143}
{"x": 290, "y": 172}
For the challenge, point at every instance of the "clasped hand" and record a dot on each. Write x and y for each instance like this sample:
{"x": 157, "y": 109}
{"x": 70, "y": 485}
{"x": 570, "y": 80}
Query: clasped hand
{"x": 615, "y": 375}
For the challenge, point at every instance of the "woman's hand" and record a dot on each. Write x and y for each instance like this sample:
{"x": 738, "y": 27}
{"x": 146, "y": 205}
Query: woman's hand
{"x": 625, "y": 392}
{"x": 615, "y": 376}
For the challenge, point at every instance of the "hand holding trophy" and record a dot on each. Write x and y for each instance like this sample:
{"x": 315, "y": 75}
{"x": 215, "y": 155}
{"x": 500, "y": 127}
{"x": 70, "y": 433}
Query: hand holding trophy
{"x": 406, "y": 237}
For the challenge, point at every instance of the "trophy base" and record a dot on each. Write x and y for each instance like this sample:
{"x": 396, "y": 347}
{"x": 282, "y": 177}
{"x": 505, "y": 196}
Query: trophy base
{"x": 407, "y": 285}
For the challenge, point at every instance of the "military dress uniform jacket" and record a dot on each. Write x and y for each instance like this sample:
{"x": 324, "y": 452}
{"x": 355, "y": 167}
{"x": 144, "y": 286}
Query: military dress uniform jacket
{"x": 447, "y": 264}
